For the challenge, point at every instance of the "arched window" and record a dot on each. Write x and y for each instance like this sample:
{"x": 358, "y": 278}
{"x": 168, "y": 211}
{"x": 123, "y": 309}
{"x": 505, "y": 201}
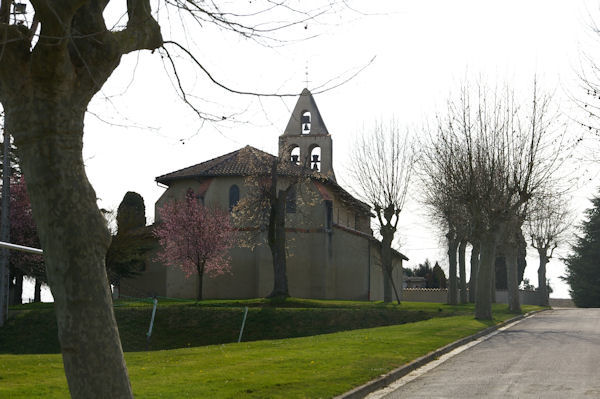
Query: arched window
{"x": 315, "y": 158}
{"x": 234, "y": 196}
{"x": 305, "y": 122}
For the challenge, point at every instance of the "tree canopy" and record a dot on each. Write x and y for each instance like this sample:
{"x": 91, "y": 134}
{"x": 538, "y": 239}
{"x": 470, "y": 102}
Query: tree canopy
{"x": 126, "y": 256}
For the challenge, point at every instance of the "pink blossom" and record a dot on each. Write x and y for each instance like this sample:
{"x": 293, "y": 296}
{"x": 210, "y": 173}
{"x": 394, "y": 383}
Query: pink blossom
{"x": 193, "y": 237}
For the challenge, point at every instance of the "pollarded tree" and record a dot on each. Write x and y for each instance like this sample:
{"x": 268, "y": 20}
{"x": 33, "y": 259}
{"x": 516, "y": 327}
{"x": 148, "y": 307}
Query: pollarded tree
{"x": 494, "y": 156}
{"x": 453, "y": 218}
{"x": 583, "y": 268}
{"x": 382, "y": 163}
{"x": 547, "y": 225}
{"x": 50, "y": 69}
{"x": 194, "y": 237}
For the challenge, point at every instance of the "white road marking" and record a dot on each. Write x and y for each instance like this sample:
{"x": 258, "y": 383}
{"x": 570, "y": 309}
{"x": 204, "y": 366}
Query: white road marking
{"x": 433, "y": 364}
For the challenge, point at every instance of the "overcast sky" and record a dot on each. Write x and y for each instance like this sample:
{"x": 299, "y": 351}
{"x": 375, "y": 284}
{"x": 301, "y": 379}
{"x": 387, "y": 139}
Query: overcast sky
{"x": 138, "y": 128}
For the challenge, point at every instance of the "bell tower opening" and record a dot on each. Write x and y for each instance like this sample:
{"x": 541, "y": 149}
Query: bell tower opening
{"x": 305, "y": 122}
{"x": 315, "y": 158}
{"x": 307, "y": 131}
{"x": 295, "y": 155}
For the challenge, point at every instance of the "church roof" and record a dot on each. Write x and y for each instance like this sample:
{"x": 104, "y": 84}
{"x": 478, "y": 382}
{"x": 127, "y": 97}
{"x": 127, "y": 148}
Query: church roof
{"x": 252, "y": 161}
{"x": 243, "y": 162}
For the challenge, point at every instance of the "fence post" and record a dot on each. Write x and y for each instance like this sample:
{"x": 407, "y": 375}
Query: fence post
{"x": 149, "y": 333}
{"x": 243, "y": 324}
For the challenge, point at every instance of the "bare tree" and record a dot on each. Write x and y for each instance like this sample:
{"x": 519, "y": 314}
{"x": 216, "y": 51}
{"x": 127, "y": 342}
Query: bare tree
{"x": 547, "y": 224}
{"x": 275, "y": 185}
{"x": 382, "y": 163}
{"x": 493, "y": 156}
{"x": 50, "y": 69}
{"x": 453, "y": 218}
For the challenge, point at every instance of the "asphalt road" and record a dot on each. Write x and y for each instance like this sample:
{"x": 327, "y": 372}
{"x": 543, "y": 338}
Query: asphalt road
{"x": 553, "y": 354}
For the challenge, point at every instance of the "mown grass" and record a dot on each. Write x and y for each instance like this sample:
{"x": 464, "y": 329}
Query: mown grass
{"x": 318, "y": 366}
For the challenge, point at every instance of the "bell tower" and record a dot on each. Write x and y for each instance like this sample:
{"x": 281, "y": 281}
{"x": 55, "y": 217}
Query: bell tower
{"x": 306, "y": 140}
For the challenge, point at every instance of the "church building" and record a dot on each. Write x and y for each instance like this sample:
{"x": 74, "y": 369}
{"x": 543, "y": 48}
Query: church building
{"x": 331, "y": 251}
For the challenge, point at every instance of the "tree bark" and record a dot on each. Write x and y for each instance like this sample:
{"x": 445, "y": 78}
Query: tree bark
{"x": 200, "y": 270}
{"x": 483, "y": 298}
{"x": 386, "y": 265}
{"x": 277, "y": 240}
{"x": 512, "y": 279}
{"x": 474, "y": 270}
{"x": 37, "y": 291}
{"x": 462, "y": 271}
{"x": 75, "y": 239}
{"x": 452, "y": 280}
{"x": 542, "y": 283}
{"x": 493, "y": 283}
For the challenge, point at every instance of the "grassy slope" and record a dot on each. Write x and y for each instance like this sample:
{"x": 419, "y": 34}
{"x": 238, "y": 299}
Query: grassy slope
{"x": 308, "y": 367}
{"x": 181, "y": 324}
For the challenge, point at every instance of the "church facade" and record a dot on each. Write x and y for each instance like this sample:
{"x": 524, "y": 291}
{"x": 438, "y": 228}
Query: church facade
{"x": 331, "y": 251}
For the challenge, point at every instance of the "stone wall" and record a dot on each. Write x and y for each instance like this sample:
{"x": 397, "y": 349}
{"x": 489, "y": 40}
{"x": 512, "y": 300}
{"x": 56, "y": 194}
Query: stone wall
{"x": 440, "y": 295}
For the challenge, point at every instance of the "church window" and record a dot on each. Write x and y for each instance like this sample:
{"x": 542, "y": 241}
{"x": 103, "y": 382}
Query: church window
{"x": 306, "y": 122}
{"x": 290, "y": 203}
{"x": 234, "y": 196}
{"x": 329, "y": 215}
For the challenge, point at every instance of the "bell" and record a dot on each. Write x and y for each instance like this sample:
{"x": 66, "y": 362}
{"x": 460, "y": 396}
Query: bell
{"x": 306, "y": 128}
{"x": 305, "y": 119}
{"x": 295, "y": 159}
{"x": 20, "y": 8}
{"x": 315, "y": 158}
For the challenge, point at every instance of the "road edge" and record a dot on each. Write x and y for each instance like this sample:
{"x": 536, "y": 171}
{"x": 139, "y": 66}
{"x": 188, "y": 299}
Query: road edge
{"x": 386, "y": 379}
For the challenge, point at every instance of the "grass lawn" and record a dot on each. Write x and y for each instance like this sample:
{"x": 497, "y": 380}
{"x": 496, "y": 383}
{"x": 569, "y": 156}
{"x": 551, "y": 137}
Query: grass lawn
{"x": 319, "y": 366}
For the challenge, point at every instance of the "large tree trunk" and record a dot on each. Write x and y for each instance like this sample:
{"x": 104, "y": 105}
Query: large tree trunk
{"x": 75, "y": 239}
{"x": 487, "y": 257}
{"x": 387, "y": 266}
{"x": 493, "y": 284}
{"x": 37, "y": 291}
{"x": 512, "y": 279}
{"x": 277, "y": 243}
{"x": 542, "y": 283}
{"x": 462, "y": 270}
{"x": 474, "y": 270}
{"x": 45, "y": 90}
{"x": 452, "y": 281}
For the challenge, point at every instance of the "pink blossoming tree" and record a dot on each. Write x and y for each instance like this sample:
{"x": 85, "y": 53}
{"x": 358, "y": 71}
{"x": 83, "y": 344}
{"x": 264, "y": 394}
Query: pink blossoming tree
{"x": 195, "y": 238}
{"x": 23, "y": 231}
